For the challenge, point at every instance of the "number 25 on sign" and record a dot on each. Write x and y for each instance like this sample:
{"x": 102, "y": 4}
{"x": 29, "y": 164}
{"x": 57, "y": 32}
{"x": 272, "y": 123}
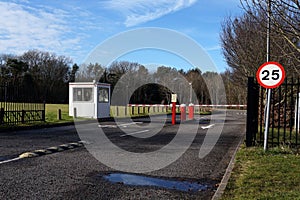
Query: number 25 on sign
{"x": 270, "y": 75}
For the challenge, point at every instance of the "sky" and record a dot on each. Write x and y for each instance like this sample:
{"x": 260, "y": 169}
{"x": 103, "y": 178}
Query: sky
{"x": 75, "y": 28}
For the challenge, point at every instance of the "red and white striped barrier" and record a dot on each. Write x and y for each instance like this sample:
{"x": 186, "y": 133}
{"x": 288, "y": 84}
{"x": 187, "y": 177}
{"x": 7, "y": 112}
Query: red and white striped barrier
{"x": 150, "y": 105}
{"x": 199, "y": 105}
{"x": 234, "y": 105}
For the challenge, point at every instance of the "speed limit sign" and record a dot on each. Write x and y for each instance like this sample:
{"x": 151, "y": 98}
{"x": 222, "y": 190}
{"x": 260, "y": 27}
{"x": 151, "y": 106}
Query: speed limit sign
{"x": 270, "y": 75}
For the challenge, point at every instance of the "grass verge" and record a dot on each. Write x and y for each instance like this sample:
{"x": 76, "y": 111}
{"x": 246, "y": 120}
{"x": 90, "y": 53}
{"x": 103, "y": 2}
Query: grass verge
{"x": 51, "y": 113}
{"x": 274, "y": 174}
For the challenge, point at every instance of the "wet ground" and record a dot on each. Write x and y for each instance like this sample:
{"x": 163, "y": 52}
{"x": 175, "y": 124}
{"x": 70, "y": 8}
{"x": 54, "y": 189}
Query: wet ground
{"x": 139, "y": 180}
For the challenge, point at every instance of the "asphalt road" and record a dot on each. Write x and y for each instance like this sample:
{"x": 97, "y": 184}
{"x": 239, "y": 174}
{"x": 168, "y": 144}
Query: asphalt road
{"x": 76, "y": 174}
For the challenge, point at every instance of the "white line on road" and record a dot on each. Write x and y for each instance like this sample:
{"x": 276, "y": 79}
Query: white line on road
{"x": 132, "y": 123}
{"x": 10, "y": 160}
{"x": 143, "y": 131}
{"x": 115, "y": 126}
{"x": 207, "y": 127}
{"x": 107, "y": 126}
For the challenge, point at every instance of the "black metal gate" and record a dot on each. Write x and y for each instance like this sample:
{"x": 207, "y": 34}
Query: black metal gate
{"x": 20, "y": 104}
{"x": 284, "y": 117}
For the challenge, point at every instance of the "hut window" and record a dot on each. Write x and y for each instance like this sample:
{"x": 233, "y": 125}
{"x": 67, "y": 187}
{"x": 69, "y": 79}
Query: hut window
{"x": 83, "y": 94}
{"x": 103, "y": 95}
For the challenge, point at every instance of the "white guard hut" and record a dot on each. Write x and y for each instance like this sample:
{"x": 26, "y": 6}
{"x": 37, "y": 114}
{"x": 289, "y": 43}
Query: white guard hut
{"x": 89, "y": 99}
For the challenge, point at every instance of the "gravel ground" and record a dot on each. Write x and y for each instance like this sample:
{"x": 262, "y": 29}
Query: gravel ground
{"x": 76, "y": 174}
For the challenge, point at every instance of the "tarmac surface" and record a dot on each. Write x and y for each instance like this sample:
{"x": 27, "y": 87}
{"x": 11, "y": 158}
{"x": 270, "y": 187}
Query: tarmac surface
{"x": 73, "y": 173}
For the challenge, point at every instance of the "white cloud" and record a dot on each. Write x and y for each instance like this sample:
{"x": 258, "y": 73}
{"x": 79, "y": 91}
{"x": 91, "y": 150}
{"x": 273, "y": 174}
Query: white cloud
{"x": 25, "y": 27}
{"x": 141, "y": 11}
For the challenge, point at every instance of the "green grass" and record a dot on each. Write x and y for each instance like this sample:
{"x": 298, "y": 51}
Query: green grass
{"x": 275, "y": 135}
{"x": 52, "y": 110}
{"x": 274, "y": 174}
{"x": 205, "y": 112}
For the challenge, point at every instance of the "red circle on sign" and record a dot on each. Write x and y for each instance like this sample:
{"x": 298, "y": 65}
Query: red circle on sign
{"x": 266, "y": 68}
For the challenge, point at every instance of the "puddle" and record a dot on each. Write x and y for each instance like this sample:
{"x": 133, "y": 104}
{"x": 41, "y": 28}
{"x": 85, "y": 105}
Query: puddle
{"x": 137, "y": 180}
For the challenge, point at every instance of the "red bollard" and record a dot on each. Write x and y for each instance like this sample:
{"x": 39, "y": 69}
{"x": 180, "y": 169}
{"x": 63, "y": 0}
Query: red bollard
{"x": 173, "y": 113}
{"x": 182, "y": 112}
{"x": 191, "y": 111}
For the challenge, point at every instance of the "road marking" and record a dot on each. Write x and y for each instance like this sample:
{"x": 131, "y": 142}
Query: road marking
{"x": 132, "y": 123}
{"x": 115, "y": 126}
{"x": 107, "y": 126}
{"x": 10, "y": 160}
{"x": 207, "y": 127}
{"x": 203, "y": 118}
{"x": 143, "y": 131}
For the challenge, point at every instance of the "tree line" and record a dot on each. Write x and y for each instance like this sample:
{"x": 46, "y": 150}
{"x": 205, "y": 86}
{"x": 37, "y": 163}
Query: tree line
{"x": 133, "y": 83}
{"x": 51, "y": 74}
{"x": 46, "y": 73}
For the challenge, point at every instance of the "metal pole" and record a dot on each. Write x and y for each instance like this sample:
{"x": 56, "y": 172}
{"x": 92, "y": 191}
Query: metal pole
{"x": 267, "y": 119}
{"x": 190, "y": 92}
{"x": 268, "y": 90}
{"x": 268, "y": 30}
{"x": 127, "y": 96}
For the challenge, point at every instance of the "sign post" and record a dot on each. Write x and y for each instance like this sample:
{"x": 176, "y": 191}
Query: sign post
{"x": 174, "y": 100}
{"x": 269, "y": 75}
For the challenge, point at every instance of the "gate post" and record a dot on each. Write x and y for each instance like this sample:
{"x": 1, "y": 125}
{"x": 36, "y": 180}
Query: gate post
{"x": 252, "y": 112}
{"x": 59, "y": 114}
{"x": 75, "y": 113}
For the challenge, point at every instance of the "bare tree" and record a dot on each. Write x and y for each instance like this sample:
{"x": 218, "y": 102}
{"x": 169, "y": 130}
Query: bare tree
{"x": 90, "y": 72}
{"x": 49, "y": 73}
{"x": 285, "y": 16}
{"x": 194, "y": 76}
{"x": 243, "y": 45}
{"x": 244, "y": 38}
{"x": 235, "y": 93}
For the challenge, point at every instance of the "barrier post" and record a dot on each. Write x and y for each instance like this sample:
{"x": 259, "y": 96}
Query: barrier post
{"x": 173, "y": 113}
{"x": 182, "y": 112}
{"x": 191, "y": 111}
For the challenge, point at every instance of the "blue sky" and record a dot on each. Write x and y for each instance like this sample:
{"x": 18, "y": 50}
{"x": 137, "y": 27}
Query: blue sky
{"x": 75, "y": 27}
